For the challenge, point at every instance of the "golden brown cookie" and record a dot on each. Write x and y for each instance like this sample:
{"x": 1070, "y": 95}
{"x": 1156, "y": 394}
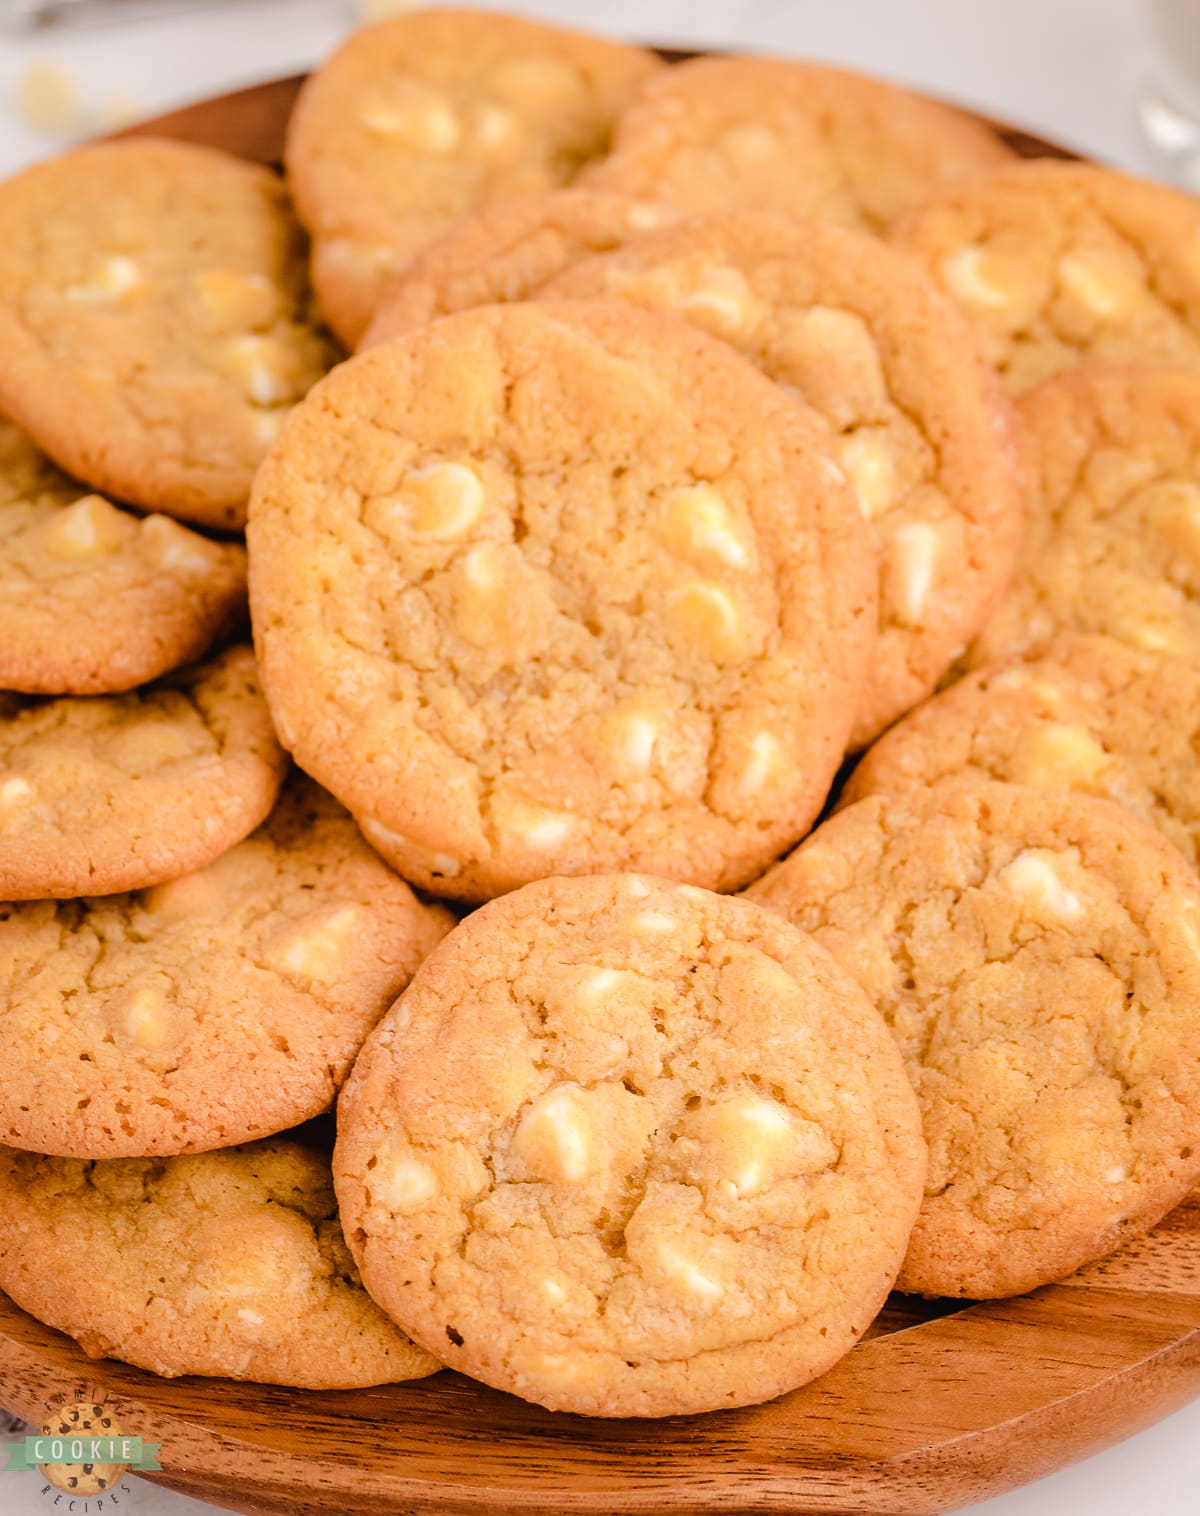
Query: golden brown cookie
{"x": 425, "y": 119}
{"x": 1037, "y": 956}
{"x": 126, "y": 791}
{"x": 1088, "y": 715}
{"x": 508, "y": 252}
{"x": 222, "y": 1006}
{"x": 776, "y": 135}
{"x": 1059, "y": 264}
{"x": 155, "y": 320}
{"x": 1110, "y": 460}
{"x": 628, "y": 1148}
{"x": 95, "y": 599}
{"x": 559, "y": 588}
{"x": 229, "y": 1263}
{"x": 916, "y": 417}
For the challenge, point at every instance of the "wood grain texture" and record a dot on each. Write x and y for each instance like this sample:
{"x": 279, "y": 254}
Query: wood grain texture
{"x": 940, "y": 1405}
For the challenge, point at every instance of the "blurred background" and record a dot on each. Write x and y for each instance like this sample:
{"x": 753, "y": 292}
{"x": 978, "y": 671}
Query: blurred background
{"x": 1069, "y": 69}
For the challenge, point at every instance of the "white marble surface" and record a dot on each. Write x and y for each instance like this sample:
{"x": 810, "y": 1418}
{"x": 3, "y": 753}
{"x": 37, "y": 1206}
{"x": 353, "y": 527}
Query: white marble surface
{"x": 1066, "y": 68}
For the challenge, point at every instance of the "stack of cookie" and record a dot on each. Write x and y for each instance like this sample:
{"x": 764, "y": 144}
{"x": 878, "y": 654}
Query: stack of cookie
{"x": 685, "y": 453}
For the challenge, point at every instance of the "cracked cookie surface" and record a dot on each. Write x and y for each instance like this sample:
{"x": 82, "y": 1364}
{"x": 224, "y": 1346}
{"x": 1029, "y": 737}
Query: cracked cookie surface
{"x": 1059, "y": 264}
{"x": 561, "y": 587}
{"x": 155, "y": 320}
{"x": 1088, "y": 715}
{"x": 425, "y": 119}
{"x": 777, "y": 135}
{"x": 1110, "y": 462}
{"x": 229, "y": 1263}
{"x": 1037, "y": 956}
{"x": 219, "y": 1007}
{"x": 914, "y": 414}
{"x": 508, "y": 253}
{"x": 630, "y": 1148}
{"x": 122, "y": 792}
{"x": 96, "y": 599}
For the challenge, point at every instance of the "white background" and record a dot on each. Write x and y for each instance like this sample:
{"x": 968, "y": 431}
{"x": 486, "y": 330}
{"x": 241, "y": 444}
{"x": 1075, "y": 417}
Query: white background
{"x": 1066, "y": 68}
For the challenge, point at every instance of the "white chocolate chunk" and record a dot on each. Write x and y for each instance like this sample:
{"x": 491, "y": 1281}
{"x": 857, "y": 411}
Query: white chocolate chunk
{"x": 699, "y": 523}
{"x": 237, "y": 299}
{"x": 682, "y": 1271}
{"x": 870, "y": 466}
{"x": 14, "y": 791}
{"x": 1116, "y": 1175}
{"x": 426, "y": 124}
{"x": 1056, "y": 755}
{"x": 495, "y": 127}
{"x": 631, "y": 733}
{"x": 721, "y": 301}
{"x": 532, "y": 824}
{"x": 554, "y": 1137}
{"x": 705, "y": 619}
{"x": 1102, "y": 287}
{"x": 825, "y": 346}
{"x": 966, "y": 275}
{"x": 250, "y": 1319}
{"x": 652, "y": 924}
{"x": 114, "y": 278}
{"x": 142, "y": 1018}
{"x": 553, "y": 1292}
{"x": 764, "y": 763}
{"x": 449, "y": 500}
{"x": 193, "y": 896}
{"x": 395, "y": 843}
{"x": 316, "y": 950}
{"x": 402, "y": 1183}
{"x": 88, "y": 528}
{"x": 1033, "y": 878}
{"x": 635, "y": 888}
{"x": 597, "y": 987}
{"x": 909, "y": 569}
{"x": 266, "y": 425}
{"x": 254, "y": 363}
{"x": 174, "y": 547}
{"x": 752, "y": 1135}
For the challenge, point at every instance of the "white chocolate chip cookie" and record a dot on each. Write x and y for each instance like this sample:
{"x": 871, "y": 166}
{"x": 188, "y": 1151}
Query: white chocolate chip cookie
{"x": 121, "y": 792}
{"x": 561, "y": 587}
{"x": 1037, "y": 956}
{"x": 414, "y": 124}
{"x": 628, "y": 1148}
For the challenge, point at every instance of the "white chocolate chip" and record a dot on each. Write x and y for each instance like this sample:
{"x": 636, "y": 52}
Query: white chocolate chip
{"x": 699, "y": 522}
{"x": 1098, "y": 283}
{"x": 597, "y": 987}
{"x": 389, "y": 842}
{"x": 554, "y": 1137}
{"x": 315, "y": 951}
{"x": 1055, "y": 755}
{"x": 89, "y": 528}
{"x": 14, "y": 792}
{"x": 253, "y": 362}
{"x": 449, "y": 499}
{"x": 1116, "y": 1175}
{"x": 705, "y": 618}
{"x": 870, "y": 466}
{"x": 721, "y": 301}
{"x": 653, "y": 924}
{"x": 635, "y": 888}
{"x": 763, "y": 764}
{"x": 965, "y": 275}
{"x": 175, "y": 547}
{"x": 114, "y": 278}
{"x": 250, "y": 1319}
{"x": 1034, "y": 880}
{"x": 402, "y": 1184}
{"x": 142, "y": 1019}
{"x": 532, "y": 824}
{"x": 683, "y": 1272}
{"x": 553, "y": 1292}
{"x": 752, "y": 1134}
{"x": 495, "y": 127}
{"x": 909, "y": 568}
{"x": 427, "y": 124}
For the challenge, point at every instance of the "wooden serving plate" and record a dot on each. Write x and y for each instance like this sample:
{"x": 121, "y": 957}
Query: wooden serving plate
{"x": 940, "y": 1406}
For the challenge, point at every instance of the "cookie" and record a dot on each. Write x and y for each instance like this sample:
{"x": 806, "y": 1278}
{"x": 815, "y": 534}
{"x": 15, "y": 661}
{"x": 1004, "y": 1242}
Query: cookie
{"x": 918, "y": 422}
{"x": 229, "y": 1263}
{"x": 425, "y": 119}
{"x": 126, "y": 791}
{"x": 508, "y": 253}
{"x": 627, "y": 1148}
{"x": 559, "y": 588}
{"x": 1088, "y": 715}
{"x": 96, "y": 599}
{"x": 1037, "y": 956}
{"x": 776, "y": 135}
{"x": 1059, "y": 264}
{"x": 222, "y": 1006}
{"x": 155, "y": 320}
{"x": 1110, "y": 460}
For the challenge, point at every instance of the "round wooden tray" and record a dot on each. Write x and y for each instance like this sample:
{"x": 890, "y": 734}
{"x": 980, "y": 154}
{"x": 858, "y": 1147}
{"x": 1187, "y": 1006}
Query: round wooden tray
{"x": 939, "y": 1406}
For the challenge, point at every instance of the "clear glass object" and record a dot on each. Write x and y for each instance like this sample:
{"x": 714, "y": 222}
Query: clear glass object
{"x": 1169, "y": 98}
